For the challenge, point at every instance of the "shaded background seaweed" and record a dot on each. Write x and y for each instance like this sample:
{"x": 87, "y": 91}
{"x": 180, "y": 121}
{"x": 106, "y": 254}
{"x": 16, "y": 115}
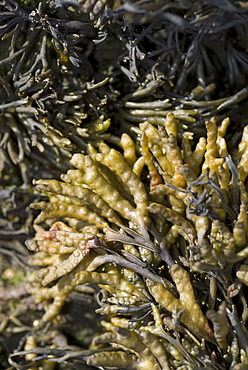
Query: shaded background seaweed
{"x": 85, "y": 77}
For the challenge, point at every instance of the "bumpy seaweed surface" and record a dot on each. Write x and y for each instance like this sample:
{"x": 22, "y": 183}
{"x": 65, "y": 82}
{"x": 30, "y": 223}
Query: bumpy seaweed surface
{"x": 67, "y": 67}
{"x": 132, "y": 119}
{"x": 161, "y": 229}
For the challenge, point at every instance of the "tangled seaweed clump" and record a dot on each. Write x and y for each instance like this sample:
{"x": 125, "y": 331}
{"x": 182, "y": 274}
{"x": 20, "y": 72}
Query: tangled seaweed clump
{"x": 62, "y": 79}
{"x": 160, "y": 230}
{"x": 51, "y": 102}
{"x": 147, "y": 225}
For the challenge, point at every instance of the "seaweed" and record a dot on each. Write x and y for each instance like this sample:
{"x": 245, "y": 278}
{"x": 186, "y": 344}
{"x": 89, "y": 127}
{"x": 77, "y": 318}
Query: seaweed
{"x": 142, "y": 247}
{"x": 124, "y": 126}
{"x": 56, "y": 86}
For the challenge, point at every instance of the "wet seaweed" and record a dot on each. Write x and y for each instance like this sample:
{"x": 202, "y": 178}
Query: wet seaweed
{"x": 154, "y": 252}
{"x": 140, "y": 195}
{"x": 56, "y": 88}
